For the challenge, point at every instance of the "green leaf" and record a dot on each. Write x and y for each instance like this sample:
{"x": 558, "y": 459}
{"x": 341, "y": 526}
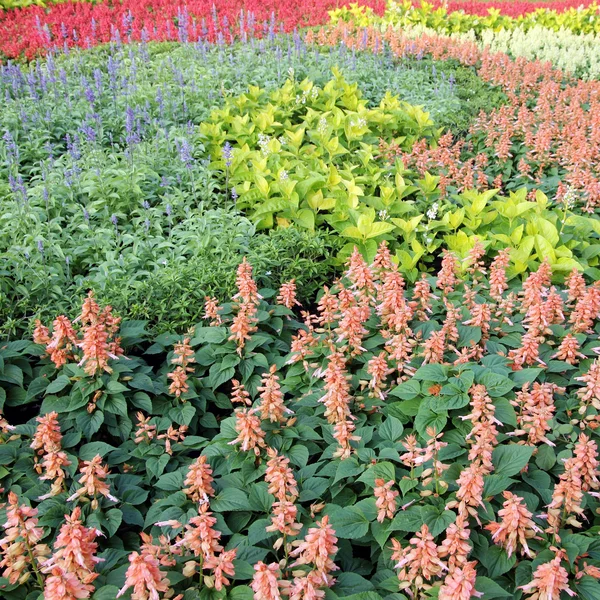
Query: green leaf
{"x": 408, "y": 520}
{"x": 437, "y": 521}
{"x": 170, "y": 481}
{"x": 490, "y": 589}
{"x": 510, "y": 459}
{"x": 298, "y": 455}
{"x": 346, "y": 583}
{"x": 89, "y": 451}
{"x": 107, "y": 592}
{"x": 496, "y": 561}
{"x": 426, "y": 419}
{"x": 349, "y": 522}
{"x": 59, "y": 384}
{"x": 496, "y": 385}
{"x": 408, "y": 390}
{"x": 391, "y": 430}
{"x": 347, "y": 468}
{"x": 230, "y": 499}
{"x": 433, "y": 372}
{"x": 588, "y": 588}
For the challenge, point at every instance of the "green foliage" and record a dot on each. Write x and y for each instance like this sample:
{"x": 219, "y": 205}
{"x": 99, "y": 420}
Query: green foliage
{"x": 305, "y": 155}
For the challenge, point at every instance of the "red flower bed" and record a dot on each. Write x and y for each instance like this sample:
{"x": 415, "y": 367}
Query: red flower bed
{"x": 30, "y": 31}
{"x": 512, "y": 9}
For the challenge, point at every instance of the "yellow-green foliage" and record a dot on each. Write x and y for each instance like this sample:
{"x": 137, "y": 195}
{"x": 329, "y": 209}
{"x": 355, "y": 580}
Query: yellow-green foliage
{"x": 307, "y": 155}
{"x": 403, "y": 14}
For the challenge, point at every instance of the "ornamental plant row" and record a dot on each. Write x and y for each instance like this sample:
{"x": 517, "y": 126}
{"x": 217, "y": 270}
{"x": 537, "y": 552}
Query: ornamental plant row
{"x": 428, "y": 440}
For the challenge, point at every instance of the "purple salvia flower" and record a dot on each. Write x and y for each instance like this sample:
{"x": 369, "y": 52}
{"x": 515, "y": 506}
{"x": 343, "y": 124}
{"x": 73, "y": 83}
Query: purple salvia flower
{"x": 168, "y": 210}
{"x": 227, "y": 154}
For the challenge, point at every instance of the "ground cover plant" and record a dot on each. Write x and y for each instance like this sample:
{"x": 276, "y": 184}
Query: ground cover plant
{"x": 299, "y": 316}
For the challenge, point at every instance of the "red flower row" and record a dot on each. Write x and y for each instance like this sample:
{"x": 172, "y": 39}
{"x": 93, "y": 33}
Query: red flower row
{"x": 30, "y": 31}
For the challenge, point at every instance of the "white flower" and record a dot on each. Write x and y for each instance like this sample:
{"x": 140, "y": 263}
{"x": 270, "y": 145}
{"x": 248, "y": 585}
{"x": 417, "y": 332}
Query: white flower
{"x": 433, "y": 211}
{"x": 283, "y": 175}
{"x": 383, "y": 214}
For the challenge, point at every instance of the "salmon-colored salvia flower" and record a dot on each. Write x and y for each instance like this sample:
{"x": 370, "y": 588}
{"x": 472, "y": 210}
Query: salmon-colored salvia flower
{"x": 179, "y": 383}
{"x": 244, "y": 323}
{"x": 385, "y": 499}
{"x": 459, "y": 584}
{"x": 575, "y": 283}
{"x": 93, "y": 475}
{"x": 378, "y": 369}
{"x": 327, "y": 307}
{"x": 200, "y": 537}
{"x": 251, "y": 436}
{"x": 568, "y": 351}
{"x": 470, "y": 490}
{"x": 239, "y": 394}
{"x": 20, "y": 547}
{"x": 456, "y": 547}
{"x": 75, "y": 549}
{"x": 550, "y": 579}
{"x": 360, "y": 275}
{"x": 586, "y": 462}
{"x": 284, "y": 516}
{"x": 280, "y": 477}
{"x": 145, "y": 577}
{"x": 198, "y": 481}
{"x": 47, "y": 436}
{"x": 309, "y": 587}
{"x": 447, "y": 279}
{"x": 221, "y": 565}
{"x": 419, "y": 562}
{"x": 247, "y": 288}
{"x": 63, "y": 341}
{"x": 62, "y": 585}
{"x": 267, "y": 582}
{"x": 272, "y": 407}
{"x": 590, "y": 394}
{"x": 145, "y": 432}
{"x": 318, "y": 547}
{"x": 567, "y": 498}
{"x": 287, "y": 295}
{"x": 41, "y": 335}
{"x": 211, "y": 311}
{"x": 515, "y": 527}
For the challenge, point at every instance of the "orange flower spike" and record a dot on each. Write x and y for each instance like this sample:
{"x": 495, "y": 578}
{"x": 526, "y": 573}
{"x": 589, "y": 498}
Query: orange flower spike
{"x": 279, "y": 476}
{"x": 93, "y": 474}
{"x": 567, "y": 497}
{"x": 62, "y": 585}
{"x": 456, "y": 545}
{"x": 89, "y": 310}
{"x": 343, "y": 434}
{"x": 75, "y": 549}
{"x": 221, "y": 565}
{"x": 318, "y": 547}
{"x": 382, "y": 261}
{"x": 434, "y": 348}
{"x": 515, "y": 526}
{"x": 47, "y": 437}
{"x": 20, "y": 541}
{"x": 284, "y": 515}
{"x": 385, "y": 499}
{"x": 459, "y": 584}
{"x": 247, "y": 288}
{"x": 378, "y": 369}
{"x": 239, "y": 394}
{"x": 420, "y": 561}
{"x": 183, "y": 355}
{"x": 267, "y": 583}
{"x": 211, "y": 311}
{"x": 41, "y": 335}
{"x": 550, "y": 579}
{"x": 360, "y": 275}
{"x": 287, "y": 295}
{"x": 590, "y": 394}
{"x": 447, "y": 279}
{"x": 200, "y": 537}
{"x": 145, "y": 577}
{"x": 179, "y": 383}
{"x": 498, "y": 284}
{"x": 575, "y": 283}
{"x": 586, "y": 462}
{"x": 272, "y": 407}
{"x": 199, "y": 480}
{"x": 251, "y": 436}
{"x": 568, "y": 351}
{"x": 244, "y": 323}
{"x": 328, "y": 307}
